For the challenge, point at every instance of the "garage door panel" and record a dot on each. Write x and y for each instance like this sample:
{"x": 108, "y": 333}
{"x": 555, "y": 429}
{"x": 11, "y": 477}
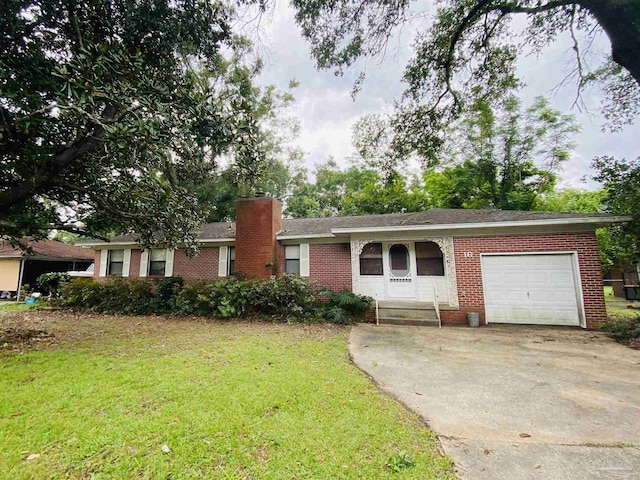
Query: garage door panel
{"x": 534, "y": 289}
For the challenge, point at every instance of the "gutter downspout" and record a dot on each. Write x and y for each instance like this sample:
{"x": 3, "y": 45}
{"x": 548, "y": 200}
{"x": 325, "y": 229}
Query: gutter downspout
{"x": 20, "y": 275}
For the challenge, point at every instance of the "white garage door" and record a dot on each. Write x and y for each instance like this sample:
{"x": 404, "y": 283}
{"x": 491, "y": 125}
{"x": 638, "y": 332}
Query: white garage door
{"x": 530, "y": 289}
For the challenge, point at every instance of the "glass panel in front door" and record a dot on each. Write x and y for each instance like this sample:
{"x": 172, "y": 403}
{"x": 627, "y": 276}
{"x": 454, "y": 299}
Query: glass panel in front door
{"x": 399, "y": 260}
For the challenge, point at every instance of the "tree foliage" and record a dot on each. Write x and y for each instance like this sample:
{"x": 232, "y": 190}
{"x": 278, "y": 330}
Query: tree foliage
{"x": 469, "y": 50}
{"x": 354, "y": 191}
{"x": 621, "y": 180}
{"x": 108, "y": 108}
{"x": 275, "y": 173}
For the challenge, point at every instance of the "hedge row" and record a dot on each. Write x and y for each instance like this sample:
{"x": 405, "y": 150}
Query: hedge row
{"x": 287, "y": 296}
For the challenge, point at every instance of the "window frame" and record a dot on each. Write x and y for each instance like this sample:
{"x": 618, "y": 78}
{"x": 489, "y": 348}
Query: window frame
{"x": 231, "y": 262}
{"x": 110, "y": 263}
{"x": 150, "y": 262}
{"x": 292, "y": 260}
{"x": 377, "y": 260}
{"x": 441, "y": 265}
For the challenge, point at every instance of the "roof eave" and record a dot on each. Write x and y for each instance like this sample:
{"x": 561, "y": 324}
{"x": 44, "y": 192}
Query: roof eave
{"x": 596, "y": 222}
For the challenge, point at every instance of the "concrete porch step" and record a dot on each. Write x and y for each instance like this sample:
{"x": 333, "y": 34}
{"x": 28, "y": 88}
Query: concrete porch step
{"x": 408, "y": 313}
{"x": 408, "y": 322}
{"x": 405, "y": 304}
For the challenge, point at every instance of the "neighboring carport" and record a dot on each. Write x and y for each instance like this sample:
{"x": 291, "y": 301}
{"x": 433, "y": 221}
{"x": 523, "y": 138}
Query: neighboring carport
{"x": 513, "y": 402}
{"x": 22, "y": 266}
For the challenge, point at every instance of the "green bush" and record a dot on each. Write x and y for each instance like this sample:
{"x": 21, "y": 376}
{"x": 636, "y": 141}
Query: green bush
{"x": 288, "y": 296}
{"x": 341, "y": 307}
{"x": 168, "y": 290}
{"x": 52, "y": 282}
{"x": 623, "y": 330}
{"x": 115, "y": 296}
{"x": 224, "y": 298}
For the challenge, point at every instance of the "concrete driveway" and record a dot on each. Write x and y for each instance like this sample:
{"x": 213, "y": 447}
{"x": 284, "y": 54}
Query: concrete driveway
{"x": 515, "y": 402}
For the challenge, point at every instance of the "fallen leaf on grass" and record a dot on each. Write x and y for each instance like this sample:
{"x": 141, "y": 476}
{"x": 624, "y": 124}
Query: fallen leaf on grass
{"x": 33, "y": 456}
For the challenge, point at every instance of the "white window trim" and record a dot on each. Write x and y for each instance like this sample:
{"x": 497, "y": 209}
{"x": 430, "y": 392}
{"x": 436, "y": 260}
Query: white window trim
{"x": 104, "y": 261}
{"x": 126, "y": 262}
{"x": 144, "y": 263}
{"x": 304, "y": 259}
{"x": 222, "y": 261}
{"x": 168, "y": 266}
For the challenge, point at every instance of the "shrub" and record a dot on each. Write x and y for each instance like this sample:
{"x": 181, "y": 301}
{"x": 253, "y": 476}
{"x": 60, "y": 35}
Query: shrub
{"x": 341, "y": 307}
{"x": 115, "y": 296}
{"x": 168, "y": 290}
{"x": 224, "y": 298}
{"x": 287, "y": 296}
{"x": 52, "y": 282}
{"x": 624, "y": 330}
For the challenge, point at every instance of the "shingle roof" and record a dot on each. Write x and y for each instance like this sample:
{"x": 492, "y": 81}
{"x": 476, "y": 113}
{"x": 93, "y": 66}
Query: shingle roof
{"x": 46, "y": 248}
{"x": 436, "y": 216}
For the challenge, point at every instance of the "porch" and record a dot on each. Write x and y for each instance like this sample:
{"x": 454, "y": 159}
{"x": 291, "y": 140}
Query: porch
{"x": 406, "y": 277}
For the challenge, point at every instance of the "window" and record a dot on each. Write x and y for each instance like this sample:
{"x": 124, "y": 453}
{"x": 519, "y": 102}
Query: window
{"x": 231, "y": 261}
{"x": 429, "y": 259}
{"x": 292, "y": 259}
{"x": 371, "y": 259}
{"x": 399, "y": 260}
{"x": 116, "y": 260}
{"x": 157, "y": 262}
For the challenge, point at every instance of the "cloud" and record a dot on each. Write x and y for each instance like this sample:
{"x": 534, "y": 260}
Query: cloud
{"x": 327, "y": 112}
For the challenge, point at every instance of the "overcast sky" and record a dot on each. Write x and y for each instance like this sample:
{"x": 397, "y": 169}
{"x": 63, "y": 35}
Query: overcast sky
{"x": 327, "y": 112}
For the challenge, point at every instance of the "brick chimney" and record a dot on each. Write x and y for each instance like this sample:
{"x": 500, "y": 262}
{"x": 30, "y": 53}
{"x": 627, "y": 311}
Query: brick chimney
{"x": 258, "y": 220}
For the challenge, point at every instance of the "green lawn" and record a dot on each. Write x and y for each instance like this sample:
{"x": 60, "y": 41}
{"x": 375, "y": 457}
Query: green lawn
{"x": 230, "y": 400}
{"x": 12, "y": 307}
{"x": 618, "y": 308}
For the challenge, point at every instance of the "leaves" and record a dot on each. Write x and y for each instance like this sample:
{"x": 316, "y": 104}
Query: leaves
{"x": 110, "y": 110}
{"x": 468, "y": 52}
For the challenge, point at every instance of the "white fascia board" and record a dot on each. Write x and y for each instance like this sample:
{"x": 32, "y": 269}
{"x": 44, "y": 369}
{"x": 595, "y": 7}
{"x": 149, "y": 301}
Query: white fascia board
{"x": 111, "y": 246}
{"x": 602, "y": 221}
{"x": 217, "y": 240}
{"x": 303, "y": 236}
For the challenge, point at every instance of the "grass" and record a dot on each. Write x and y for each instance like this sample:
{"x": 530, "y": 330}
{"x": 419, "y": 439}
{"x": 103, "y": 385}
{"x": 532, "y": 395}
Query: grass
{"x": 230, "y": 401}
{"x": 617, "y": 308}
{"x": 12, "y": 307}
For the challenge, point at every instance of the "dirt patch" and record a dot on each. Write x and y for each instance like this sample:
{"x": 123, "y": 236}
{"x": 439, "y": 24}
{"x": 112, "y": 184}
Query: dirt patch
{"x": 74, "y": 329}
{"x": 19, "y": 338}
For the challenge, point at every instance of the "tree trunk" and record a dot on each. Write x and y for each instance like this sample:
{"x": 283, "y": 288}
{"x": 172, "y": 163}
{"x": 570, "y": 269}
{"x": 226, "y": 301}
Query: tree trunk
{"x": 620, "y": 19}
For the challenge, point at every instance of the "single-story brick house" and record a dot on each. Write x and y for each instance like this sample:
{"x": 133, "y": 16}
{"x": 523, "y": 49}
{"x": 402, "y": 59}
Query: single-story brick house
{"x": 509, "y": 266}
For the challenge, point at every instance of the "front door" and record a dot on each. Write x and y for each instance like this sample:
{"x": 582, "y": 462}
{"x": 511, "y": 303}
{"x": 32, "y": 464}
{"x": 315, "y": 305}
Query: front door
{"x": 400, "y": 278}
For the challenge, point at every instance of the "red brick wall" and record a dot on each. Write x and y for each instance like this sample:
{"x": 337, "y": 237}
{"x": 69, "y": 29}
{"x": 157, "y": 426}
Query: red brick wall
{"x": 205, "y": 265}
{"x": 469, "y": 275}
{"x": 258, "y": 220}
{"x": 96, "y": 266}
{"x": 330, "y": 265}
{"x": 134, "y": 266}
